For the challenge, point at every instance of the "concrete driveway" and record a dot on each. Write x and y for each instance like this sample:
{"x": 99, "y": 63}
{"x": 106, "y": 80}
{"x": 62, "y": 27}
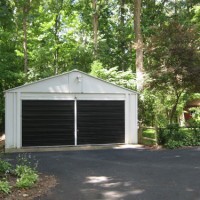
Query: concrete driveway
{"x": 123, "y": 174}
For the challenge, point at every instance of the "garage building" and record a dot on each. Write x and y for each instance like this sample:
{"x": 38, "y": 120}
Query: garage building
{"x": 73, "y": 108}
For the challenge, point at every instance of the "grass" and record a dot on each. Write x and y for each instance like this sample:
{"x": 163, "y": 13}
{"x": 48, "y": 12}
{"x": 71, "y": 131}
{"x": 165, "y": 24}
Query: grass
{"x": 148, "y": 142}
{"x": 149, "y": 133}
{"x": 149, "y": 136}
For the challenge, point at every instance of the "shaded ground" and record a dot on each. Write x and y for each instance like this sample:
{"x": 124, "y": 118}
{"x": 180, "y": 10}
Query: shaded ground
{"x": 122, "y": 174}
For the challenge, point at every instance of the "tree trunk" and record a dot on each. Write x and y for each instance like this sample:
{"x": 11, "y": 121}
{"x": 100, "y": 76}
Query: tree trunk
{"x": 57, "y": 19}
{"x": 25, "y": 45}
{"x": 175, "y": 9}
{"x": 173, "y": 111}
{"x": 122, "y": 44}
{"x": 95, "y": 26}
{"x": 26, "y": 9}
{"x": 56, "y": 37}
{"x": 138, "y": 45}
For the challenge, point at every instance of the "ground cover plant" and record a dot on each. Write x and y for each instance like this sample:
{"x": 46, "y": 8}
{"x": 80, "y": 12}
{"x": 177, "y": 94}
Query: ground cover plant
{"x": 22, "y": 180}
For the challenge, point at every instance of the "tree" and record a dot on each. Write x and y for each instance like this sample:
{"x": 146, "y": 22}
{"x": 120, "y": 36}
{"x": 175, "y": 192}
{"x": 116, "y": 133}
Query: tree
{"x": 59, "y": 7}
{"x": 95, "y": 25}
{"x": 125, "y": 79}
{"x": 10, "y": 64}
{"x": 138, "y": 44}
{"x": 26, "y": 8}
{"x": 174, "y": 63}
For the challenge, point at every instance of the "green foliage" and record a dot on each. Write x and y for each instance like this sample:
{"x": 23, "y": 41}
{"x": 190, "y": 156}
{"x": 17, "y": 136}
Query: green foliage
{"x": 155, "y": 107}
{"x": 5, "y": 187}
{"x": 24, "y": 169}
{"x": 172, "y": 64}
{"x": 26, "y": 172}
{"x": 27, "y": 176}
{"x": 174, "y": 136}
{"x": 172, "y": 144}
{"x": 5, "y": 166}
{"x": 149, "y": 133}
{"x": 196, "y": 17}
{"x": 125, "y": 79}
{"x": 148, "y": 142}
{"x": 149, "y": 136}
{"x": 195, "y": 115}
{"x": 60, "y": 38}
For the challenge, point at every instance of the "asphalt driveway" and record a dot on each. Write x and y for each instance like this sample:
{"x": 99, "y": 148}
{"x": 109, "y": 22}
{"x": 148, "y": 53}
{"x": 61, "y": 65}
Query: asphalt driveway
{"x": 123, "y": 174}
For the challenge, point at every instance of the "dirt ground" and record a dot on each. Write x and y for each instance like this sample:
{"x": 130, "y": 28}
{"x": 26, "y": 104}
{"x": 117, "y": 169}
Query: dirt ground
{"x": 44, "y": 185}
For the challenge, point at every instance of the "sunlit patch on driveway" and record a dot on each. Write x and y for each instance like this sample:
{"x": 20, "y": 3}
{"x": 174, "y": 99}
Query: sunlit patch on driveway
{"x": 97, "y": 179}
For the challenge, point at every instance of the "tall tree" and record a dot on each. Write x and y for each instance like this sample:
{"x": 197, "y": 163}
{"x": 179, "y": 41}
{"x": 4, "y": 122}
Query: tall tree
{"x": 138, "y": 45}
{"x": 174, "y": 63}
{"x": 95, "y": 25}
{"x": 26, "y": 9}
{"x": 122, "y": 39}
{"x": 59, "y": 7}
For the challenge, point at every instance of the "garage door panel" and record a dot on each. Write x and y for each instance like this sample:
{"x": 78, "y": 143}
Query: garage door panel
{"x": 51, "y": 122}
{"x": 100, "y": 122}
{"x": 47, "y": 122}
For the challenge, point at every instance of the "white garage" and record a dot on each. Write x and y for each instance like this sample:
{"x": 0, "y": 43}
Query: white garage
{"x": 73, "y": 109}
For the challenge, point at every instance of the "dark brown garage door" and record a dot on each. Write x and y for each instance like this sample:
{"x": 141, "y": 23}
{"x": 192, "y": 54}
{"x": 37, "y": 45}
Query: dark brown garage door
{"x": 100, "y": 122}
{"x": 47, "y": 122}
{"x": 51, "y": 122}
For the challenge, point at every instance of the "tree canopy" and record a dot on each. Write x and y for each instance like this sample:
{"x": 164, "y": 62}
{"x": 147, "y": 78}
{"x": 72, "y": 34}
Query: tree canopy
{"x": 41, "y": 38}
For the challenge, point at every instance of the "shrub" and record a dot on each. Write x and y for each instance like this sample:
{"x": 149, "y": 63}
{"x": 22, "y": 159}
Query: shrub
{"x": 23, "y": 169}
{"x": 5, "y": 166}
{"x": 174, "y": 136}
{"x": 5, "y": 187}
{"x": 172, "y": 144}
{"x": 27, "y": 180}
{"x": 27, "y": 176}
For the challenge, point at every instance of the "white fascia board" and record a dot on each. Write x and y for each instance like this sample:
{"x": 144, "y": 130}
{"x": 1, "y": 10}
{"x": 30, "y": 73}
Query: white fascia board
{"x": 68, "y": 96}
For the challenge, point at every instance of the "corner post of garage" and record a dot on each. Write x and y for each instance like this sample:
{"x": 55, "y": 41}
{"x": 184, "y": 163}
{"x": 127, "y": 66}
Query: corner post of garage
{"x": 75, "y": 121}
{"x": 18, "y": 120}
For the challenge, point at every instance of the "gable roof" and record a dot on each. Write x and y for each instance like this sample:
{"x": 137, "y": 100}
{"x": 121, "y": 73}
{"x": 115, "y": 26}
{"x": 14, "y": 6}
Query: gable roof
{"x": 74, "y": 81}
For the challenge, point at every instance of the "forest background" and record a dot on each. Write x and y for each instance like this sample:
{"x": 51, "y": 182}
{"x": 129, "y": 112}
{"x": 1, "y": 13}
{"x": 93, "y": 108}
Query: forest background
{"x": 152, "y": 46}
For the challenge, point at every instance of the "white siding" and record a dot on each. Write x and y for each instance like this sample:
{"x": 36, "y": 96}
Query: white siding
{"x": 133, "y": 116}
{"x": 69, "y": 86}
{"x": 74, "y": 82}
{"x": 10, "y": 118}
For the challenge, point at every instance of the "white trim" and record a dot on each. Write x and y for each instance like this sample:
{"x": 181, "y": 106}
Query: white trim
{"x": 75, "y": 121}
{"x": 67, "y": 96}
{"x": 9, "y": 121}
{"x": 126, "y": 117}
{"x": 18, "y": 123}
{"x": 14, "y": 120}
